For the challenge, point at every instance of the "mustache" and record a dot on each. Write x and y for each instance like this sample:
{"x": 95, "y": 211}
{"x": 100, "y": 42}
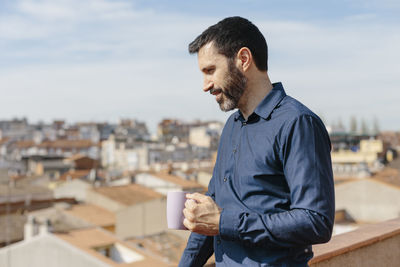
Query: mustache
{"x": 219, "y": 90}
{"x": 216, "y": 91}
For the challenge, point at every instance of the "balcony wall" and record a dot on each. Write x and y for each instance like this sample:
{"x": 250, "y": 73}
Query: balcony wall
{"x": 369, "y": 246}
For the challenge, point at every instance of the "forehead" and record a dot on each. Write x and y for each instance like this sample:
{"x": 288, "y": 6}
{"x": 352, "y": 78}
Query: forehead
{"x": 209, "y": 55}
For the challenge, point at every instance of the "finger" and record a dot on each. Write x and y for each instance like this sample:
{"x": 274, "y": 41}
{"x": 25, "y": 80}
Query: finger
{"x": 188, "y": 215}
{"x": 197, "y": 196}
{"x": 190, "y": 204}
{"x": 188, "y": 224}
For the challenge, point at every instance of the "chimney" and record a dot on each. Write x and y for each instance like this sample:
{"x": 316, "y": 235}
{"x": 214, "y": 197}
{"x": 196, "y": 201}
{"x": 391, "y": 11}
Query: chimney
{"x": 30, "y": 228}
{"x": 44, "y": 228}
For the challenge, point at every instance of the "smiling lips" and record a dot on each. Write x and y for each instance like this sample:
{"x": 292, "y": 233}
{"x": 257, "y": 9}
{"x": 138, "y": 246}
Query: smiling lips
{"x": 215, "y": 91}
{"x": 218, "y": 94}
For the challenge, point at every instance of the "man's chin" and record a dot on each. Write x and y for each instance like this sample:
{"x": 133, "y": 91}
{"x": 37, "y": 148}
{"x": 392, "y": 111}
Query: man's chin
{"x": 225, "y": 107}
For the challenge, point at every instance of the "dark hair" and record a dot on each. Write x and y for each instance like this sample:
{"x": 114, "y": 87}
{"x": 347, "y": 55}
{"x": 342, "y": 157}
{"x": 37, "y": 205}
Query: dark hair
{"x": 230, "y": 35}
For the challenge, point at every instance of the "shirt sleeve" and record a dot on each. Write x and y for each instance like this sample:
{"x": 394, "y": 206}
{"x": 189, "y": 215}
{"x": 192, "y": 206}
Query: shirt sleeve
{"x": 306, "y": 162}
{"x": 199, "y": 247}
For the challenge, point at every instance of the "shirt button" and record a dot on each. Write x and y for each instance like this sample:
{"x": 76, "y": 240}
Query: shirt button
{"x": 218, "y": 241}
{"x": 225, "y": 179}
{"x": 234, "y": 150}
{"x": 244, "y": 123}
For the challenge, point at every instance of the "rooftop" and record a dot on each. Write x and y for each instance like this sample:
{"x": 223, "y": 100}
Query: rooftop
{"x": 178, "y": 181}
{"x": 128, "y": 194}
{"x": 90, "y": 239}
{"x": 74, "y": 174}
{"x": 60, "y": 220}
{"x": 11, "y": 226}
{"x": 22, "y": 192}
{"x": 4, "y": 140}
{"x": 24, "y": 144}
{"x": 164, "y": 245}
{"x": 66, "y": 144}
{"x": 93, "y": 214}
{"x": 390, "y": 174}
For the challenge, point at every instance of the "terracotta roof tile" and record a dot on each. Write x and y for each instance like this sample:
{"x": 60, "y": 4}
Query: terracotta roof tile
{"x": 61, "y": 143}
{"x": 165, "y": 245}
{"x": 74, "y": 174}
{"x": 389, "y": 176}
{"x": 24, "y": 144}
{"x": 128, "y": 194}
{"x": 186, "y": 184}
{"x": 88, "y": 239}
{"x": 4, "y": 140}
{"x": 92, "y": 214}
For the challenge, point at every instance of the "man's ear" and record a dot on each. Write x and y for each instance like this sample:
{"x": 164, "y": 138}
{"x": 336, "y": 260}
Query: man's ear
{"x": 244, "y": 58}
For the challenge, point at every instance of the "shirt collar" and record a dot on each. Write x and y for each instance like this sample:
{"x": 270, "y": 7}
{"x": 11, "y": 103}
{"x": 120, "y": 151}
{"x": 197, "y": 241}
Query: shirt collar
{"x": 268, "y": 104}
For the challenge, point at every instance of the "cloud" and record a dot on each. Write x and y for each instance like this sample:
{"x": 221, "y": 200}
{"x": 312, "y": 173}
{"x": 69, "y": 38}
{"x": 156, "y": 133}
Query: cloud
{"x": 339, "y": 69}
{"x": 64, "y": 31}
{"x": 67, "y": 10}
{"x": 103, "y": 59}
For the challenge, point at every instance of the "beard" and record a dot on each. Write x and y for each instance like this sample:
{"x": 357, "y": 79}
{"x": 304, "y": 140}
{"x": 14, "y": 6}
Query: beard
{"x": 233, "y": 88}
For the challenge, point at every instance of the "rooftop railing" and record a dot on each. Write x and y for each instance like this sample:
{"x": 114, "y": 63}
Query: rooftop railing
{"x": 368, "y": 246}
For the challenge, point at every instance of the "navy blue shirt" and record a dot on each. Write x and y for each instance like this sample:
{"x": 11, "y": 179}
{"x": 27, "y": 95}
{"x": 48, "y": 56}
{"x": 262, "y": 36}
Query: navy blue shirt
{"x": 273, "y": 180}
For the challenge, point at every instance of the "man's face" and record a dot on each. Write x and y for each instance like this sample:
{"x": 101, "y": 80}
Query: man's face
{"x": 221, "y": 77}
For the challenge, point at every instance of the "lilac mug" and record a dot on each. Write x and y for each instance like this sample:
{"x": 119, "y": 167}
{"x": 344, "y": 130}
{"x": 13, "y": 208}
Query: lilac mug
{"x": 175, "y": 205}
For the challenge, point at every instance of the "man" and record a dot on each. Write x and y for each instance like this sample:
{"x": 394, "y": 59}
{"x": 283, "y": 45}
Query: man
{"x": 271, "y": 195}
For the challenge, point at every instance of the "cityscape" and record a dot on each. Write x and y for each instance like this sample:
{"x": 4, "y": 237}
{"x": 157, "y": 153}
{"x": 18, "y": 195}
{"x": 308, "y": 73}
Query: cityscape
{"x": 103, "y": 113}
{"x": 100, "y": 188}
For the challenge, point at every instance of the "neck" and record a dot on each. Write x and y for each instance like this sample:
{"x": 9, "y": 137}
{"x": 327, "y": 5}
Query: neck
{"x": 257, "y": 88}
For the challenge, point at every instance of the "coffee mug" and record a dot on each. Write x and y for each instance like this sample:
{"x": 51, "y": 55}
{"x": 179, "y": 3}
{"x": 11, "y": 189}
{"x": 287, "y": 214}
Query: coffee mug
{"x": 175, "y": 205}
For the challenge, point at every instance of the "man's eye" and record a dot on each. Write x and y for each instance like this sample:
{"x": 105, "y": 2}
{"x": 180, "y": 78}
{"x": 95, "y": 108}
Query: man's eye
{"x": 210, "y": 71}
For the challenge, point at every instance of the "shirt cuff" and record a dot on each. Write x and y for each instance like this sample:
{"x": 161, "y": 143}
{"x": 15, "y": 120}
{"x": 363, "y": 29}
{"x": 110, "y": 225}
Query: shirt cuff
{"x": 228, "y": 225}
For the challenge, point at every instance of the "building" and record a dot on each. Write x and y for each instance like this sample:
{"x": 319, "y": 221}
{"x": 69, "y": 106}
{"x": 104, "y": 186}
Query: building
{"x": 368, "y": 200}
{"x": 12, "y": 228}
{"x": 92, "y": 247}
{"x": 71, "y": 188}
{"x": 93, "y": 215}
{"x": 131, "y": 131}
{"x": 167, "y": 246}
{"x": 24, "y": 192}
{"x": 117, "y": 155}
{"x": 53, "y": 166}
{"x": 3, "y": 146}
{"x": 70, "y": 147}
{"x": 172, "y": 129}
{"x": 16, "y": 129}
{"x": 88, "y": 131}
{"x": 13, "y": 223}
{"x": 163, "y": 183}
{"x": 139, "y": 211}
{"x": 359, "y": 161}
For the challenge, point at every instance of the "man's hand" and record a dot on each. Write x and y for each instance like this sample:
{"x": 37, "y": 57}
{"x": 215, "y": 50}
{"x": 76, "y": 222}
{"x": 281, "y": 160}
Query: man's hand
{"x": 201, "y": 214}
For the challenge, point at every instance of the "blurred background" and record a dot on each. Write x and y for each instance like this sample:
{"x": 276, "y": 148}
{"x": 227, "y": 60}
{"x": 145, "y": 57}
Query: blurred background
{"x": 102, "y": 113}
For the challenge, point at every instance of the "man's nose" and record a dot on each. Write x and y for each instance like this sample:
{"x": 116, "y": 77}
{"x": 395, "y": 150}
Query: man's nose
{"x": 208, "y": 85}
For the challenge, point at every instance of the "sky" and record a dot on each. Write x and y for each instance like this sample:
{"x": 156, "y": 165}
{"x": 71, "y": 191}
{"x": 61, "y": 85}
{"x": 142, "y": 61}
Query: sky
{"x": 102, "y": 60}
